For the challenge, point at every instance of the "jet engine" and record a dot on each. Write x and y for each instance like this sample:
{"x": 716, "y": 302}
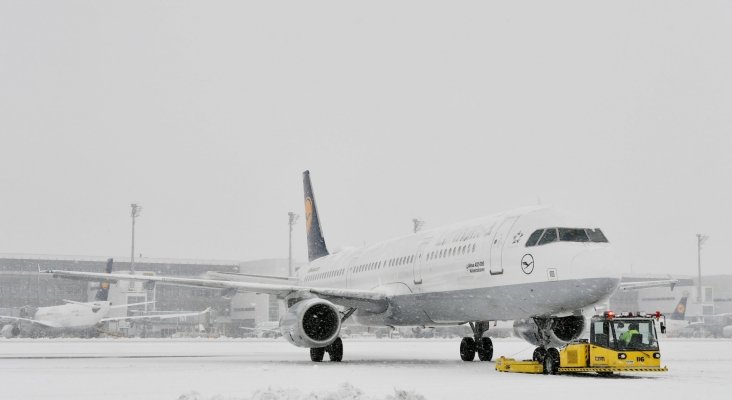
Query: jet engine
{"x": 311, "y": 323}
{"x": 10, "y": 331}
{"x": 550, "y": 332}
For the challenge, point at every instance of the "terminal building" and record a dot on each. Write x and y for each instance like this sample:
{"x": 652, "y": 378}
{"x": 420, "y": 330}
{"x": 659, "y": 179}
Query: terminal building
{"x": 22, "y": 286}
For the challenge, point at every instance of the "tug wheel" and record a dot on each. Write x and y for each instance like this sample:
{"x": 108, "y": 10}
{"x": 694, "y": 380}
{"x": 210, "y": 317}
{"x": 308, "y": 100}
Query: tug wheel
{"x": 467, "y": 349}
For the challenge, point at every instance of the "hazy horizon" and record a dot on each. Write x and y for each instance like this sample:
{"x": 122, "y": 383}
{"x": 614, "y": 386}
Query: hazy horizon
{"x": 206, "y": 114}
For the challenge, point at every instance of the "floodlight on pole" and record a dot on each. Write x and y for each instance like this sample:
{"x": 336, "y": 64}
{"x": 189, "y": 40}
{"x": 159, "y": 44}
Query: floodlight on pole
{"x": 700, "y": 239}
{"x": 417, "y": 224}
{"x": 291, "y": 221}
{"x": 134, "y": 213}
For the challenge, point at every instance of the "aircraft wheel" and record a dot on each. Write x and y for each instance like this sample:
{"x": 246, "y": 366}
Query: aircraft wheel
{"x": 317, "y": 353}
{"x": 467, "y": 349}
{"x": 335, "y": 350}
{"x": 551, "y": 362}
{"x": 539, "y": 354}
{"x": 485, "y": 349}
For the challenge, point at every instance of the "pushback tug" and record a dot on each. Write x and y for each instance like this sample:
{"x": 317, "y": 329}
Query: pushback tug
{"x": 626, "y": 343}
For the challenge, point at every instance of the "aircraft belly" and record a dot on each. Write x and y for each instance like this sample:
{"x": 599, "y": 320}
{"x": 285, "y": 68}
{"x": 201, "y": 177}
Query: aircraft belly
{"x": 495, "y": 303}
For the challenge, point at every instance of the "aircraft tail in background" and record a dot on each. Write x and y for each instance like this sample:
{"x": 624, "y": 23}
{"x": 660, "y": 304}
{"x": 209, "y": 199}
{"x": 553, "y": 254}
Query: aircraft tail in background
{"x": 680, "y": 310}
{"x": 103, "y": 291}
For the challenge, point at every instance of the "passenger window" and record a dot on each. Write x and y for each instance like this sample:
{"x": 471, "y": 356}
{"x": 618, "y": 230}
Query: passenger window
{"x": 596, "y": 235}
{"x": 534, "y": 237}
{"x": 550, "y": 235}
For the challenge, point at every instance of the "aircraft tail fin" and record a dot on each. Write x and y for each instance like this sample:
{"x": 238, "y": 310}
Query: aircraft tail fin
{"x": 680, "y": 310}
{"x": 103, "y": 291}
{"x": 316, "y": 242}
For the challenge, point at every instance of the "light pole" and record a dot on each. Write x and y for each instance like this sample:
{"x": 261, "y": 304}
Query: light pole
{"x": 700, "y": 239}
{"x": 292, "y": 221}
{"x": 136, "y": 211}
{"x": 417, "y": 224}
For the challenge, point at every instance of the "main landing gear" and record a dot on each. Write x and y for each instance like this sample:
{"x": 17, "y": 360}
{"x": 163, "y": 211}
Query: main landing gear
{"x": 483, "y": 346}
{"x": 334, "y": 350}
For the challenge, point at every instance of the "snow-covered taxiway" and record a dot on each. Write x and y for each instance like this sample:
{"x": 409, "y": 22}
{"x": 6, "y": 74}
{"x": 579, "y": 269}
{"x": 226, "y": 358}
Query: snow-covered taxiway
{"x": 112, "y": 369}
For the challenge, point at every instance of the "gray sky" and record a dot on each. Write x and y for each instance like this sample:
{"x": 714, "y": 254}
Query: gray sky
{"x": 206, "y": 113}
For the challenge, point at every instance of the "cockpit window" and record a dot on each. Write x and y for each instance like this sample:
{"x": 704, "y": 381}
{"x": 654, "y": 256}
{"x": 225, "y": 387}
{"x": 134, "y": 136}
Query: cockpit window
{"x": 550, "y": 235}
{"x": 534, "y": 237}
{"x": 573, "y": 235}
{"x": 596, "y": 235}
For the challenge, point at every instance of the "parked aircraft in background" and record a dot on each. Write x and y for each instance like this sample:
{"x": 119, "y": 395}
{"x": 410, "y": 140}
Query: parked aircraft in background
{"x": 78, "y": 318}
{"x": 536, "y": 266}
{"x": 265, "y": 329}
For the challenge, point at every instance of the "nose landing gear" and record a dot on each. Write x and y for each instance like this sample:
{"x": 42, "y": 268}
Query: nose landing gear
{"x": 483, "y": 346}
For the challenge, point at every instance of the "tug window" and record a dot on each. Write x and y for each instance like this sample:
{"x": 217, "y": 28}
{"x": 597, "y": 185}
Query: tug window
{"x": 534, "y": 237}
{"x": 550, "y": 235}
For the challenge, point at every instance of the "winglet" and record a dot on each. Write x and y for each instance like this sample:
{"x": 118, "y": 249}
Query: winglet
{"x": 316, "y": 241}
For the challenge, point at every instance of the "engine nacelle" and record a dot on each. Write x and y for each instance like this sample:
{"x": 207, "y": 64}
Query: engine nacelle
{"x": 556, "y": 332}
{"x": 311, "y": 323}
{"x": 10, "y": 331}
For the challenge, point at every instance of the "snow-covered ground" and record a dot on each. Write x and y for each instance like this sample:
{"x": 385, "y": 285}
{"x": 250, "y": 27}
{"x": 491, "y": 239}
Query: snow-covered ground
{"x": 111, "y": 369}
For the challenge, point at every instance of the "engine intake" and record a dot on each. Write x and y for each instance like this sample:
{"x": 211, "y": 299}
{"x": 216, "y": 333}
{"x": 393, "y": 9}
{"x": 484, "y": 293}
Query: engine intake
{"x": 554, "y": 332}
{"x": 311, "y": 323}
{"x": 10, "y": 331}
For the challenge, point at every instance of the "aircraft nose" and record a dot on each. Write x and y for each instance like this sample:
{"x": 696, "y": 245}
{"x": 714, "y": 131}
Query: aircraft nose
{"x": 596, "y": 263}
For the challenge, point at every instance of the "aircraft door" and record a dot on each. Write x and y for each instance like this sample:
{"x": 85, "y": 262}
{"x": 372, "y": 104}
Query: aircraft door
{"x": 499, "y": 240}
{"x": 417, "y": 265}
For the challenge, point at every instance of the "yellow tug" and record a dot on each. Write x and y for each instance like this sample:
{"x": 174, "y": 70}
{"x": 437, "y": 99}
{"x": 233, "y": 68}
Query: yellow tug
{"x": 625, "y": 343}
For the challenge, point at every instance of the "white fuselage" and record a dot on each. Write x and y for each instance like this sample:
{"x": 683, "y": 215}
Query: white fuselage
{"x": 73, "y": 316}
{"x": 474, "y": 271}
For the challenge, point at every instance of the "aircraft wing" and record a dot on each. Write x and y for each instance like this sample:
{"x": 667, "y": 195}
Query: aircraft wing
{"x": 366, "y": 300}
{"x": 238, "y": 276}
{"x": 160, "y": 316}
{"x": 648, "y": 284}
{"x": 46, "y": 324}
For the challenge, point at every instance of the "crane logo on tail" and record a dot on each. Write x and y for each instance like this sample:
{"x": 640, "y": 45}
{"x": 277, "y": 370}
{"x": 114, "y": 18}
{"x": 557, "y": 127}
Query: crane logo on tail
{"x": 308, "y": 213}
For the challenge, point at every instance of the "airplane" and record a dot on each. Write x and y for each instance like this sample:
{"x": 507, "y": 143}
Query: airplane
{"x": 536, "y": 265}
{"x": 265, "y": 329}
{"x": 73, "y": 317}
